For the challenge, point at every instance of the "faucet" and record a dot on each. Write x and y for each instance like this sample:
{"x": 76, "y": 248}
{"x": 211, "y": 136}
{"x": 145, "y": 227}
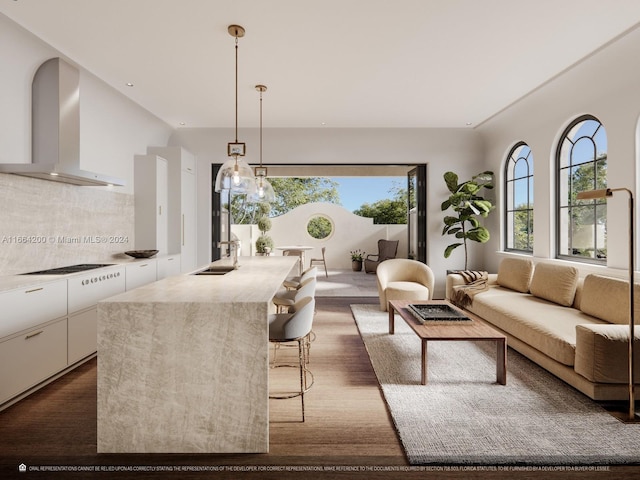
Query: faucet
{"x": 234, "y": 244}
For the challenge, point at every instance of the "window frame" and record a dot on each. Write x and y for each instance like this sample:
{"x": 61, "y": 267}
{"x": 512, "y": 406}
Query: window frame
{"x": 507, "y": 210}
{"x": 558, "y": 190}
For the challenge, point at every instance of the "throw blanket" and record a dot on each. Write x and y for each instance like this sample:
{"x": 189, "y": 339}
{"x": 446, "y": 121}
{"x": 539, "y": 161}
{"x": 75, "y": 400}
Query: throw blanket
{"x": 475, "y": 282}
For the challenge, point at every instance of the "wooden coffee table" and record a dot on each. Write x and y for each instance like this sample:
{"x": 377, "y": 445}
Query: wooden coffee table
{"x": 467, "y": 331}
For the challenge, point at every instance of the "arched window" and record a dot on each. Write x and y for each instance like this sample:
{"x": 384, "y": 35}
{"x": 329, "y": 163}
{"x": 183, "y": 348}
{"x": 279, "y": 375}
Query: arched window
{"x": 519, "y": 199}
{"x": 582, "y": 165}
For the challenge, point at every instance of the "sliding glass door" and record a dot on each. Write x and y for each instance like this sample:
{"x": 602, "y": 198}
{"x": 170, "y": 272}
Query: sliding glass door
{"x": 417, "y": 213}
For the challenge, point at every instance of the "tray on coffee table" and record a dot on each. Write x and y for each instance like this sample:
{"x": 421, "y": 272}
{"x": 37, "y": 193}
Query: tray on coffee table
{"x": 437, "y": 314}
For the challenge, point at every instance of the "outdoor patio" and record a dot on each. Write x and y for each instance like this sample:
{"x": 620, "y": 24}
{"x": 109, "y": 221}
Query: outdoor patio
{"x": 346, "y": 283}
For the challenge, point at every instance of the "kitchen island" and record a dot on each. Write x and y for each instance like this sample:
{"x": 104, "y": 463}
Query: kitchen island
{"x": 183, "y": 363}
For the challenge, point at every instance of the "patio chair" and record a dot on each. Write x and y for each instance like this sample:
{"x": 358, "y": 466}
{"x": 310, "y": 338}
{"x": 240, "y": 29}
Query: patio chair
{"x": 386, "y": 249}
{"x": 320, "y": 261}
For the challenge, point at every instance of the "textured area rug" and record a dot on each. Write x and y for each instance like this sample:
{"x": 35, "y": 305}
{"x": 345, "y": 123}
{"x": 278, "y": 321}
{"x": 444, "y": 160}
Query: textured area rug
{"x": 463, "y": 417}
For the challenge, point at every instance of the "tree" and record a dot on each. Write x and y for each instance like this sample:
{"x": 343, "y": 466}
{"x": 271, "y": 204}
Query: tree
{"x": 588, "y": 213}
{"x": 264, "y": 243}
{"x": 319, "y": 227}
{"x": 523, "y": 228}
{"x": 291, "y": 192}
{"x": 389, "y": 211}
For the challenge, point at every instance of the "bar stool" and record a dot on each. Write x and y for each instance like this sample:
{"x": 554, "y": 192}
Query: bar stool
{"x": 293, "y": 283}
{"x": 285, "y": 299}
{"x": 294, "y": 327}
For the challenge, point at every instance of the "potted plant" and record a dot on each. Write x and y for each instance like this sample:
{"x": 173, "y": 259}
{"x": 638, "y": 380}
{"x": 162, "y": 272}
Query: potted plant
{"x": 468, "y": 205}
{"x": 356, "y": 260}
{"x": 264, "y": 243}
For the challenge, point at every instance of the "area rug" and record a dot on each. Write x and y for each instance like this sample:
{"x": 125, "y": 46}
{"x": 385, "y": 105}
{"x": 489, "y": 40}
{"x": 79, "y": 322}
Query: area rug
{"x": 463, "y": 417}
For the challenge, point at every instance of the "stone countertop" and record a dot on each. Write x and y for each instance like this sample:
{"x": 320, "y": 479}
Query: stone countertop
{"x": 256, "y": 272}
{"x": 184, "y": 362}
{"x": 11, "y": 282}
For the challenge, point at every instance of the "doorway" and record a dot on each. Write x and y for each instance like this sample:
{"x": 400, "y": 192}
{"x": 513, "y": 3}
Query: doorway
{"x": 416, "y": 184}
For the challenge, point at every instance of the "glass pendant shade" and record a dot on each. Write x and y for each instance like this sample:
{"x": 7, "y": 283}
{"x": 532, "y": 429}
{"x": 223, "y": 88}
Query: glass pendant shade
{"x": 235, "y": 175}
{"x": 264, "y": 192}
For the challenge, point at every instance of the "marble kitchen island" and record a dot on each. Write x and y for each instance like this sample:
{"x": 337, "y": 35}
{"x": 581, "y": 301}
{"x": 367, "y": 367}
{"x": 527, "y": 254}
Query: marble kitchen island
{"x": 183, "y": 363}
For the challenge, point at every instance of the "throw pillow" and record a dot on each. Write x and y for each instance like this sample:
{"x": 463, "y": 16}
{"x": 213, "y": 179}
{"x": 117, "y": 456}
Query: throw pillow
{"x": 515, "y": 273}
{"x": 607, "y": 298}
{"x": 556, "y": 283}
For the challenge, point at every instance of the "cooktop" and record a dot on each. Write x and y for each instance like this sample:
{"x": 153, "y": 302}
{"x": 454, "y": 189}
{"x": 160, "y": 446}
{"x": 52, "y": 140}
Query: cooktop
{"x": 70, "y": 269}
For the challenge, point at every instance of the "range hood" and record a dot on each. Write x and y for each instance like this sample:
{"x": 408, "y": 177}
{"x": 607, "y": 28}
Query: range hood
{"x": 55, "y": 129}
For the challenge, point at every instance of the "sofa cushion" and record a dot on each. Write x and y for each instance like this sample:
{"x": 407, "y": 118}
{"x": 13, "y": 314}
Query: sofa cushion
{"x": 544, "y": 325}
{"x": 515, "y": 273}
{"x": 608, "y": 298}
{"x": 602, "y": 353}
{"x": 556, "y": 283}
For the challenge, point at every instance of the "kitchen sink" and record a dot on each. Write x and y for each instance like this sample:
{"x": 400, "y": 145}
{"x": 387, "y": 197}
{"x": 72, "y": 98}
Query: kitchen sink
{"x": 216, "y": 270}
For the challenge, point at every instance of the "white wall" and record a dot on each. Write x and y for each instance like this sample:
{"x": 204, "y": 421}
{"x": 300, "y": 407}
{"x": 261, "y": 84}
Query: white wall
{"x": 605, "y": 85}
{"x": 350, "y": 232}
{"x": 112, "y": 130}
{"x": 442, "y": 149}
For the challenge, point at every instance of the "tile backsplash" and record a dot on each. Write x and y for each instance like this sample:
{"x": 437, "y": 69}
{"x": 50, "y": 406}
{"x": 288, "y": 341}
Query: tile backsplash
{"x": 47, "y": 224}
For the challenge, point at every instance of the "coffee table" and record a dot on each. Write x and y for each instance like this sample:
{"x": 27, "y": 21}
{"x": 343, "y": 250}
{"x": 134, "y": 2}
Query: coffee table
{"x": 467, "y": 331}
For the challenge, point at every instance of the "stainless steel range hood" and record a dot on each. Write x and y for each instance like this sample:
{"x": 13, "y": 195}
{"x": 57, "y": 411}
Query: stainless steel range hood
{"x": 55, "y": 129}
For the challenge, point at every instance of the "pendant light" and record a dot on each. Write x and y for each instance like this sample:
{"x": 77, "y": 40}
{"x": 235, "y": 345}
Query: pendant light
{"x": 264, "y": 191}
{"x": 234, "y": 174}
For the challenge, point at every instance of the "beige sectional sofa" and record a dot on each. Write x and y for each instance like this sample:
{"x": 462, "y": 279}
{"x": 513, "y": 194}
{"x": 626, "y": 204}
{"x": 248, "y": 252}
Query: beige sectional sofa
{"x": 574, "y": 327}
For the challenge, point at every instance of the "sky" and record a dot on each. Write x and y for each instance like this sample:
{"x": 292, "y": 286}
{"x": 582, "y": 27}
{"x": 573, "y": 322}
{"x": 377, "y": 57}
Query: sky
{"x": 355, "y": 191}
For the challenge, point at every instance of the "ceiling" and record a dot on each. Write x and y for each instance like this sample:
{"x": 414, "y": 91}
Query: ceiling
{"x": 332, "y": 63}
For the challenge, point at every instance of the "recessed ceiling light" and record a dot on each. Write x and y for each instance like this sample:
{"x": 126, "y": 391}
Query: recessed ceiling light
{"x": 129, "y": 84}
{"x": 182, "y": 123}
{"x": 468, "y": 123}
{"x": 323, "y": 123}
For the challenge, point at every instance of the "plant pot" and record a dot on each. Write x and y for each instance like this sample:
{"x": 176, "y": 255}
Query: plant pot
{"x": 356, "y": 265}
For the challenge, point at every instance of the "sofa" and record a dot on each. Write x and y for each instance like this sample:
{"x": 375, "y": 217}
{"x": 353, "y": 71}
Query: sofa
{"x": 576, "y": 328}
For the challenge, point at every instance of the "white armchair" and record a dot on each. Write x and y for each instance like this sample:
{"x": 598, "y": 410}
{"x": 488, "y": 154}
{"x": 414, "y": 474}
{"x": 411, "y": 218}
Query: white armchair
{"x": 404, "y": 279}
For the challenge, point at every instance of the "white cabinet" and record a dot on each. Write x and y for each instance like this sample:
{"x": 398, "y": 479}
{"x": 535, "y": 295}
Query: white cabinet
{"x": 26, "y": 307}
{"x": 140, "y": 273}
{"x": 167, "y": 266}
{"x": 151, "y": 203}
{"x": 188, "y": 246}
{"x": 84, "y": 292}
{"x": 32, "y": 357}
{"x": 182, "y": 236}
{"x": 88, "y": 289}
{"x": 82, "y": 335}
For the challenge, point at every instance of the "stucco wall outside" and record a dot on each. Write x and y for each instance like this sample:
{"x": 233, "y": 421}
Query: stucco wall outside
{"x": 350, "y": 232}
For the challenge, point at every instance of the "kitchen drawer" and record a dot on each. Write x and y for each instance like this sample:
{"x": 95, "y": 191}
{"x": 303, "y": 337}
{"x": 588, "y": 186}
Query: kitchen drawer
{"x": 32, "y": 357}
{"x": 23, "y": 308}
{"x": 141, "y": 273}
{"x": 88, "y": 289}
{"x": 167, "y": 266}
{"x": 83, "y": 335}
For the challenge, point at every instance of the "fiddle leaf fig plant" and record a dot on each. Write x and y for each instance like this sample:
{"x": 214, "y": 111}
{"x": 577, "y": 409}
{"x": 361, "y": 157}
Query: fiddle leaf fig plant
{"x": 468, "y": 206}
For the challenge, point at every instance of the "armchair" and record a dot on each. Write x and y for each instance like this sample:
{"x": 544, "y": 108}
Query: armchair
{"x": 386, "y": 249}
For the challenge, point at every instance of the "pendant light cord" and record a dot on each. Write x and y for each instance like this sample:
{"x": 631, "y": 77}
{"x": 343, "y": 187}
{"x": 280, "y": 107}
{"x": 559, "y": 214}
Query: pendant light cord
{"x": 236, "y": 90}
{"x": 261, "y": 128}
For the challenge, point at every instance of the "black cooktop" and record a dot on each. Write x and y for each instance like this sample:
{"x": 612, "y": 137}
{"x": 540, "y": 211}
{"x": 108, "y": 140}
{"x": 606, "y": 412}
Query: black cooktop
{"x": 70, "y": 269}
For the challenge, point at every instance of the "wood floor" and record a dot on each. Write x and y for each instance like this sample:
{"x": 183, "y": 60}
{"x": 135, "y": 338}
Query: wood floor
{"x": 348, "y": 432}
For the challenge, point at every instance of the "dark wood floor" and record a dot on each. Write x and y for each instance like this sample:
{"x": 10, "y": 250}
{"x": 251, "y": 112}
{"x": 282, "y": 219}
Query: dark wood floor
{"x": 347, "y": 434}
